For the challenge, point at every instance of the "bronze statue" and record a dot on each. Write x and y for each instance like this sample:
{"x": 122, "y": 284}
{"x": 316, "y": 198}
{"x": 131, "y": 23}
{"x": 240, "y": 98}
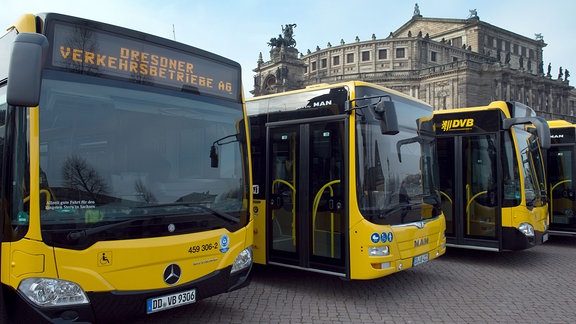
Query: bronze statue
{"x": 285, "y": 39}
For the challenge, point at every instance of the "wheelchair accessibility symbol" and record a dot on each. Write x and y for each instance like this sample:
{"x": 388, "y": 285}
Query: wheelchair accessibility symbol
{"x": 105, "y": 258}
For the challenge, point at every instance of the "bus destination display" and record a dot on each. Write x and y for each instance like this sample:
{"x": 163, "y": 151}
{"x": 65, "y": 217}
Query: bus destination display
{"x": 94, "y": 52}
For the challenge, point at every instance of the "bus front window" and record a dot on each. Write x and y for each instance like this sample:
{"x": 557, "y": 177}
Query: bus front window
{"x": 120, "y": 163}
{"x": 532, "y": 164}
{"x": 392, "y": 187}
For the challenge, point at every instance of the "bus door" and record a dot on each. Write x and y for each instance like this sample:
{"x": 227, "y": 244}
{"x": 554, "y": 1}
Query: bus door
{"x": 561, "y": 171}
{"x": 469, "y": 190}
{"x": 305, "y": 215}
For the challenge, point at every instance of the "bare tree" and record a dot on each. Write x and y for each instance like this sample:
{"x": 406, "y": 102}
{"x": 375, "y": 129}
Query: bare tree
{"x": 144, "y": 192}
{"x": 83, "y": 177}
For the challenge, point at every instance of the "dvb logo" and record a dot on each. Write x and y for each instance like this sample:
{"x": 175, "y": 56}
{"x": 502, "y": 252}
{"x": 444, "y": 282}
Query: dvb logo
{"x": 457, "y": 124}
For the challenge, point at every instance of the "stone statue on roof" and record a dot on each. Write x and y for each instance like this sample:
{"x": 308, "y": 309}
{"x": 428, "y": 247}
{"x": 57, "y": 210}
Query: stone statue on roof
{"x": 285, "y": 39}
{"x": 539, "y": 37}
{"x": 416, "y": 11}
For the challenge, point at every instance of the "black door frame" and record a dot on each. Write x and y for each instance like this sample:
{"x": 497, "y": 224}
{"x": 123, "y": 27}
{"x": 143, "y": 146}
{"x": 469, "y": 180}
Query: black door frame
{"x": 302, "y": 257}
{"x": 460, "y": 200}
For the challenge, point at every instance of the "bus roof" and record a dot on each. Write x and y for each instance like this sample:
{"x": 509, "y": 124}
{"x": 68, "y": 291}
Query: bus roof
{"x": 498, "y": 105}
{"x": 560, "y": 123}
{"x": 25, "y": 24}
{"x": 352, "y": 84}
{"x": 510, "y": 109}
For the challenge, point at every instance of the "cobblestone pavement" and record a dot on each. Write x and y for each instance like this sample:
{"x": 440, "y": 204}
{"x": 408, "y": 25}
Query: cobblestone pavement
{"x": 464, "y": 286}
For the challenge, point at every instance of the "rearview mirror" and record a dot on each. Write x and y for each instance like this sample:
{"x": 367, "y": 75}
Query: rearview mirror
{"x": 29, "y": 51}
{"x": 385, "y": 112}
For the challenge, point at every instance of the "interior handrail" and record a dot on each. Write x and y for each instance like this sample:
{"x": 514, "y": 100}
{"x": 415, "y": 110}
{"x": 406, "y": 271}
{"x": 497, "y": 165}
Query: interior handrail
{"x": 315, "y": 211}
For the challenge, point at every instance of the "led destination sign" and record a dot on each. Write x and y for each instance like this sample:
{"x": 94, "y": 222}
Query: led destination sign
{"x": 99, "y": 53}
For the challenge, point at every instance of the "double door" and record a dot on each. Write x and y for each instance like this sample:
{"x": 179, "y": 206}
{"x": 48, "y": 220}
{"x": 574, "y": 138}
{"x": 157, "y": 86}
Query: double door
{"x": 469, "y": 190}
{"x": 305, "y": 192}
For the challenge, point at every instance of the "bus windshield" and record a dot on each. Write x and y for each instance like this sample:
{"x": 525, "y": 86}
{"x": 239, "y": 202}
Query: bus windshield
{"x": 395, "y": 185}
{"x": 534, "y": 182}
{"x": 120, "y": 161}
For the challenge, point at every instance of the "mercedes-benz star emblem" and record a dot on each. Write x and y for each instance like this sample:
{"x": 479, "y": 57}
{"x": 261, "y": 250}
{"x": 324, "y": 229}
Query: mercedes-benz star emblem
{"x": 172, "y": 274}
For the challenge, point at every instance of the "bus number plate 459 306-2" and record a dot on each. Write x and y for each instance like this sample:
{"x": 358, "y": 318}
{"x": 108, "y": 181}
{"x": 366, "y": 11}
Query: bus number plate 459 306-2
{"x": 161, "y": 303}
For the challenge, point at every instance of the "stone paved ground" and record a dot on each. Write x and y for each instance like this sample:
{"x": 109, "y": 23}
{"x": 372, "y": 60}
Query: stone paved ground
{"x": 533, "y": 286}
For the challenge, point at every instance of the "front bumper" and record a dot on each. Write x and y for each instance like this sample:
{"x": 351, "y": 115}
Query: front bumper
{"x": 114, "y": 306}
{"x": 513, "y": 239}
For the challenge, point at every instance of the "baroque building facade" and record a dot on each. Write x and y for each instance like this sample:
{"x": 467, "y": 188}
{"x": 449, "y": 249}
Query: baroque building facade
{"x": 448, "y": 63}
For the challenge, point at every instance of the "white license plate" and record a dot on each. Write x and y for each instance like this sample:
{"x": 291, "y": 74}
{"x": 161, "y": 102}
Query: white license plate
{"x": 161, "y": 303}
{"x": 419, "y": 259}
{"x": 544, "y": 237}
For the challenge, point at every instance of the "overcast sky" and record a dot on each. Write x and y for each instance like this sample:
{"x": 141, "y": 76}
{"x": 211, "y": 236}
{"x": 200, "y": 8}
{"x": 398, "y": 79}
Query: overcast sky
{"x": 241, "y": 29}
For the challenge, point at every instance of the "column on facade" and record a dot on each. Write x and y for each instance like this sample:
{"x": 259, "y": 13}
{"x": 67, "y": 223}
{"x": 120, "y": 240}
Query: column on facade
{"x": 429, "y": 94}
{"x": 414, "y": 92}
{"x": 454, "y": 95}
{"x": 539, "y": 99}
{"x": 357, "y": 58}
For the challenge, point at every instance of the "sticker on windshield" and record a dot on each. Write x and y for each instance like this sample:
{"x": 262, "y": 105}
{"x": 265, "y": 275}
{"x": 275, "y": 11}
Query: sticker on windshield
{"x": 70, "y": 204}
{"x": 224, "y": 242}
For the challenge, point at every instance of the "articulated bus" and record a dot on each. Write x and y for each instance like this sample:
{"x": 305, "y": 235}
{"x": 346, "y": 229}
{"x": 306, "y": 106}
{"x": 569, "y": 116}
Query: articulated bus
{"x": 110, "y": 203}
{"x": 345, "y": 181}
{"x": 561, "y": 169}
{"x": 492, "y": 178}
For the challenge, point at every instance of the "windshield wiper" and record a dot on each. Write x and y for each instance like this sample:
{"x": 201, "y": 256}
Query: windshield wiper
{"x": 220, "y": 214}
{"x": 76, "y": 235}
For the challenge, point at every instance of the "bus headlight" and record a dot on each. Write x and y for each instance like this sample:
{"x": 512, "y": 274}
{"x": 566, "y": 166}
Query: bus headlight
{"x": 46, "y": 292}
{"x": 243, "y": 260}
{"x": 378, "y": 250}
{"x": 526, "y": 229}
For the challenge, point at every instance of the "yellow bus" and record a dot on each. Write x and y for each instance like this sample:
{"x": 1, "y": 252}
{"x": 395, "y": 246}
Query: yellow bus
{"x": 492, "y": 176}
{"x": 110, "y": 204}
{"x": 560, "y": 172}
{"x": 345, "y": 181}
